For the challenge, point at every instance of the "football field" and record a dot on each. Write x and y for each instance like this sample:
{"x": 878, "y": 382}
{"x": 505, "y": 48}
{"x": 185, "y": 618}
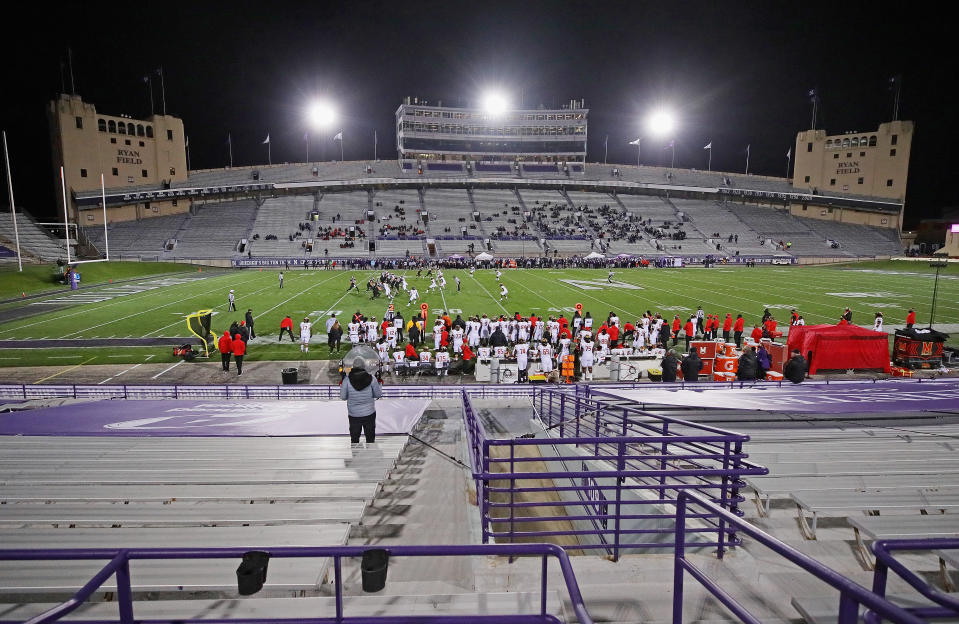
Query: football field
{"x": 156, "y": 306}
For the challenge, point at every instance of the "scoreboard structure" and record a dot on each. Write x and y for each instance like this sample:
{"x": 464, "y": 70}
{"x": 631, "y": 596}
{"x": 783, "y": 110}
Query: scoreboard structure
{"x": 426, "y": 132}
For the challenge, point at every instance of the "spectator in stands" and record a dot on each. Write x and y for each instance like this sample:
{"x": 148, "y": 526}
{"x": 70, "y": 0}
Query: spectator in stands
{"x": 748, "y": 365}
{"x": 691, "y": 365}
{"x": 360, "y": 390}
{"x": 669, "y": 365}
{"x": 239, "y": 350}
{"x": 795, "y": 369}
{"x": 226, "y": 350}
{"x": 765, "y": 362}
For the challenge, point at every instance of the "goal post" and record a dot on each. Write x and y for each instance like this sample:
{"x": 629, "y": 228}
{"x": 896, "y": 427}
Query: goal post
{"x": 199, "y": 325}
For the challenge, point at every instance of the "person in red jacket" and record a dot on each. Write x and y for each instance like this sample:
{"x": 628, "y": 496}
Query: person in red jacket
{"x": 757, "y": 334}
{"x": 690, "y": 331}
{"x": 445, "y": 338}
{"x": 286, "y": 325}
{"x": 910, "y": 318}
{"x": 411, "y": 354}
{"x": 727, "y": 326}
{"x": 239, "y": 350}
{"x": 613, "y": 332}
{"x": 738, "y": 330}
{"x": 226, "y": 350}
{"x": 770, "y": 328}
{"x": 676, "y": 325}
{"x": 469, "y": 365}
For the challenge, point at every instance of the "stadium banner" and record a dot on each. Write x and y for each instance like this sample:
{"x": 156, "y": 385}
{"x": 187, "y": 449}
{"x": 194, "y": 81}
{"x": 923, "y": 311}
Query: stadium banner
{"x": 839, "y": 399}
{"x": 667, "y": 261}
{"x": 209, "y": 418}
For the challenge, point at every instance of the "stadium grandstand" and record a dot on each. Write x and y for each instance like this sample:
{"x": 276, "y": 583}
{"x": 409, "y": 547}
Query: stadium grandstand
{"x": 166, "y": 491}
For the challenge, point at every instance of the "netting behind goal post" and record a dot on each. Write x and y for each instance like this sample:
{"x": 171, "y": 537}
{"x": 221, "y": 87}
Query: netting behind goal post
{"x": 199, "y": 325}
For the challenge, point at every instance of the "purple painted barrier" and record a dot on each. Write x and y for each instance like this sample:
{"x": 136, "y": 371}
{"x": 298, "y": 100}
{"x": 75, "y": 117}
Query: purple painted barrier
{"x": 119, "y": 565}
{"x": 851, "y": 594}
{"x": 942, "y": 605}
{"x": 616, "y": 471}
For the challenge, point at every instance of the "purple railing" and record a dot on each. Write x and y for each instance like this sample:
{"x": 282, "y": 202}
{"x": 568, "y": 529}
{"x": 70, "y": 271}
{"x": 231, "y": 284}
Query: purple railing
{"x": 611, "y": 477}
{"x": 119, "y": 566}
{"x": 328, "y": 392}
{"x": 942, "y": 605}
{"x": 851, "y": 594}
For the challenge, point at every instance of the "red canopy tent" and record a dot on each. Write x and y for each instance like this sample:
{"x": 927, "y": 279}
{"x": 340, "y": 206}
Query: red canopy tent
{"x": 840, "y": 347}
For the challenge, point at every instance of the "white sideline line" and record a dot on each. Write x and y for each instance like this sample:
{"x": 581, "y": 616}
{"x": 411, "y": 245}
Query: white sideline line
{"x": 168, "y": 370}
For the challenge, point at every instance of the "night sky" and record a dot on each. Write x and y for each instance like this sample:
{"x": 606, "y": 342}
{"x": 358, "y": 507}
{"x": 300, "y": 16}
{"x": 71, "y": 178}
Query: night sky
{"x": 735, "y": 75}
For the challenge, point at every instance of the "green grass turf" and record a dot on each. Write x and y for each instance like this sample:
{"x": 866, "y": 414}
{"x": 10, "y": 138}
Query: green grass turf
{"x": 36, "y": 279}
{"x": 161, "y": 312}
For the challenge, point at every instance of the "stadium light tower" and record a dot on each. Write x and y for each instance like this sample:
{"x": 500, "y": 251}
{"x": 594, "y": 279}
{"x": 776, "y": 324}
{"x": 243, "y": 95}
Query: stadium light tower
{"x": 321, "y": 115}
{"x": 662, "y": 123}
{"x": 495, "y": 103}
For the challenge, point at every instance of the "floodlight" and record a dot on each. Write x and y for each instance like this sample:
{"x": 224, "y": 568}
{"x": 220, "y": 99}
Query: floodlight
{"x": 495, "y": 103}
{"x": 661, "y": 123}
{"x": 321, "y": 114}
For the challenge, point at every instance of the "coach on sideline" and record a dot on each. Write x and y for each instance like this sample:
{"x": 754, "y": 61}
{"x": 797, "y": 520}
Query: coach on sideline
{"x": 360, "y": 390}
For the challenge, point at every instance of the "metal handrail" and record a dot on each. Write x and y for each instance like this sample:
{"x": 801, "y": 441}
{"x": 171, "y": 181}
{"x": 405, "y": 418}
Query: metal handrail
{"x": 851, "y": 594}
{"x": 885, "y": 561}
{"x": 119, "y": 560}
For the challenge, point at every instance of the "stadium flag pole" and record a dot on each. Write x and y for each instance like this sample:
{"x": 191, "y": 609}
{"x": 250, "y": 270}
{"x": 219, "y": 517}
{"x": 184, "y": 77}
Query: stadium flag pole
{"x": 229, "y": 142}
{"x": 188, "y": 152}
{"x": 66, "y": 224}
{"x": 147, "y": 79}
{"x": 374, "y": 144}
{"x": 747, "y": 160}
{"x": 269, "y": 157}
{"x": 103, "y": 197}
{"x": 306, "y": 137}
{"x": 13, "y": 209}
{"x": 789, "y": 157}
{"x": 709, "y": 163}
{"x": 162, "y": 88}
{"x": 605, "y": 149}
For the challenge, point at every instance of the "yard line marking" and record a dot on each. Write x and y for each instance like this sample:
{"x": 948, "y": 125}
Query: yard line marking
{"x": 169, "y": 369}
{"x": 63, "y": 357}
{"x": 491, "y": 296}
{"x": 67, "y": 370}
{"x": 87, "y": 310}
{"x": 149, "y": 357}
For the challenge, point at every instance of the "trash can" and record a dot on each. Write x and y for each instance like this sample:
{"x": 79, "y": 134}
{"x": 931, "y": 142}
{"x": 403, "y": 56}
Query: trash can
{"x": 251, "y": 575}
{"x": 289, "y": 375}
{"x": 373, "y": 569}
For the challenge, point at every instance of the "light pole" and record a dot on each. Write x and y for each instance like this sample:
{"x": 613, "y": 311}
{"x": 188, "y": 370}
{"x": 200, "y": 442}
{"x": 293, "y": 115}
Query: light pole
{"x": 939, "y": 264}
{"x": 638, "y": 143}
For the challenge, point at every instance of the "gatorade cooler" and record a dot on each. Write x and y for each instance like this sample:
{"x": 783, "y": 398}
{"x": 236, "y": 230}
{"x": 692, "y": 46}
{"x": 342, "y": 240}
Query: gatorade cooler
{"x": 773, "y": 376}
{"x": 707, "y": 368}
{"x": 706, "y": 349}
{"x": 719, "y": 376}
{"x": 730, "y": 349}
{"x": 726, "y": 364}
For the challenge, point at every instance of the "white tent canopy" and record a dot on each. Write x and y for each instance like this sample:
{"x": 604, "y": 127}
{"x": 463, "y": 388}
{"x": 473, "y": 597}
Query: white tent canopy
{"x": 483, "y": 256}
{"x": 593, "y": 255}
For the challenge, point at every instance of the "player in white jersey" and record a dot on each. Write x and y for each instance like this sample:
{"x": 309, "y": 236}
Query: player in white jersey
{"x": 414, "y": 296}
{"x": 391, "y": 336}
{"x": 437, "y": 334}
{"x": 485, "y": 331}
{"x": 522, "y": 330}
{"x": 553, "y": 326}
{"x": 538, "y": 330}
{"x": 457, "y": 336}
{"x": 306, "y": 328}
{"x": 403, "y": 284}
{"x": 503, "y": 293}
{"x": 513, "y": 329}
{"x": 609, "y": 278}
{"x": 642, "y": 337}
{"x": 371, "y": 327}
{"x": 383, "y": 350}
{"x": 877, "y": 326}
{"x": 442, "y": 282}
{"x": 353, "y": 332}
{"x": 499, "y": 274}
{"x": 473, "y": 332}
{"x": 432, "y": 286}
{"x": 564, "y": 347}
{"x": 603, "y": 340}
{"x": 521, "y": 351}
{"x": 613, "y": 320}
{"x": 586, "y": 358}
{"x": 546, "y": 357}
{"x": 472, "y": 271}
{"x": 388, "y": 290}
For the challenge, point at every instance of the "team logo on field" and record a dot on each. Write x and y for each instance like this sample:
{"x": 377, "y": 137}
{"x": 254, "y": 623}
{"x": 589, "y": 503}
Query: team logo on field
{"x": 866, "y": 295}
{"x": 598, "y": 284}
